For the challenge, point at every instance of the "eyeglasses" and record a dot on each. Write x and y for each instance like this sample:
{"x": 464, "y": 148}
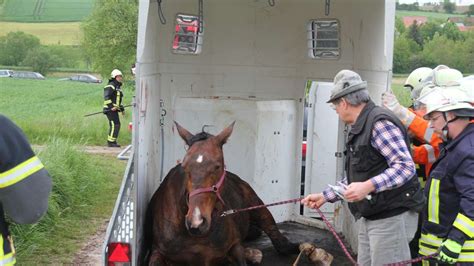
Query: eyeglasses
{"x": 433, "y": 119}
{"x": 335, "y": 104}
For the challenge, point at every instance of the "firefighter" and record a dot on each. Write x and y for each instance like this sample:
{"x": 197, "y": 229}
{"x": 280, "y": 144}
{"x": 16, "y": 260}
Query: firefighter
{"x": 113, "y": 96}
{"x": 448, "y": 219}
{"x": 425, "y": 148}
{"x": 24, "y": 185}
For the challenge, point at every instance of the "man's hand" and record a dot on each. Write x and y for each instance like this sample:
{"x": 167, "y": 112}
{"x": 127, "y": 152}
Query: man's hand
{"x": 114, "y": 109}
{"x": 450, "y": 250}
{"x": 390, "y": 102}
{"x": 314, "y": 201}
{"x": 357, "y": 191}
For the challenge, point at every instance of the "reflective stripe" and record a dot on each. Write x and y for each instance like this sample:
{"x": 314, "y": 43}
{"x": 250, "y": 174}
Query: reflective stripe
{"x": 20, "y": 172}
{"x": 428, "y": 134}
{"x": 8, "y": 259}
{"x": 110, "y": 86}
{"x": 117, "y": 99}
{"x": 431, "y": 240}
{"x": 111, "y": 134}
{"x": 437, "y": 241}
{"x": 107, "y": 102}
{"x": 464, "y": 224}
{"x": 433, "y": 201}
{"x": 431, "y": 154}
{"x": 466, "y": 257}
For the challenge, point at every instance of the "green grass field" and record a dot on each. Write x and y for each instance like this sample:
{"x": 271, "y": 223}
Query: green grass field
{"x": 46, "y": 10}
{"x": 49, "y": 108}
{"x": 63, "y": 33}
{"x": 429, "y": 15}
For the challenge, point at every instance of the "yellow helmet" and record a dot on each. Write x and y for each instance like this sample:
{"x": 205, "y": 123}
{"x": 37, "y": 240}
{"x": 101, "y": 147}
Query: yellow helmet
{"x": 115, "y": 73}
{"x": 417, "y": 76}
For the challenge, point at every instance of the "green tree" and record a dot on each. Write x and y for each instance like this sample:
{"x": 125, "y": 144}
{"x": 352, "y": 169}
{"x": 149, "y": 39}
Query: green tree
{"x": 110, "y": 35}
{"x": 399, "y": 26}
{"x": 403, "y": 52}
{"x": 40, "y": 60}
{"x": 449, "y": 7}
{"x": 470, "y": 12}
{"x": 14, "y": 47}
{"x": 429, "y": 29}
{"x": 442, "y": 50}
{"x": 451, "y": 31}
{"x": 415, "y": 34}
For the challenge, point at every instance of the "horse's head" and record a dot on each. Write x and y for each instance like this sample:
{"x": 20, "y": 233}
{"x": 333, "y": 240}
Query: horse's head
{"x": 204, "y": 168}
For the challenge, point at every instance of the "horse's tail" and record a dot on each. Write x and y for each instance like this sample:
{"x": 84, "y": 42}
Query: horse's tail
{"x": 147, "y": 241}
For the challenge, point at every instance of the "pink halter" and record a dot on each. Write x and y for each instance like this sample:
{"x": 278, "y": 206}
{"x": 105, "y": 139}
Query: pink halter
{"x": 215, "y": 188}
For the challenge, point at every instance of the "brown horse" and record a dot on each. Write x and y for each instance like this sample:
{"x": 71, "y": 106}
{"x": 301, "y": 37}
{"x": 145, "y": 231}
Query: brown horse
{"x": 184, "y": 213}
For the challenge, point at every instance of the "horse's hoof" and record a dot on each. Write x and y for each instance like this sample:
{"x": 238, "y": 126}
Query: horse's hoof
{"x": 316, "y": 255}
{"x": 253, "y": 255}
{"x": 287, "y": 248}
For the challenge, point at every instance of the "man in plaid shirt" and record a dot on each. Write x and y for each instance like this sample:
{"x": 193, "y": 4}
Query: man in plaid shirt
{"x": 381, "y": 184}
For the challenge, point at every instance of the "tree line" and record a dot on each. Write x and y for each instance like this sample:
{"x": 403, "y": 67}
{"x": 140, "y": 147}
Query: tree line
{"x": 431, "y": 44}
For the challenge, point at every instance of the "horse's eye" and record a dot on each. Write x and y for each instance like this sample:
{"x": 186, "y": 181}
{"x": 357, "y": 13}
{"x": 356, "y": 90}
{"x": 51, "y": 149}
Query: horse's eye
{"x": 217, "y": 167}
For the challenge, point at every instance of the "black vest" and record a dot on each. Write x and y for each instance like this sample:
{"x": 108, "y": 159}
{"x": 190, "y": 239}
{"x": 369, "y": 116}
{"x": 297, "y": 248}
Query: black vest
{"x": 364, "y": 162}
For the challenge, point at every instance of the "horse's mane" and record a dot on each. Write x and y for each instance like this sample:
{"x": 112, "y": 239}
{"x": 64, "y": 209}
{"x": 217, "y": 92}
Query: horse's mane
{"x": 199, "y": 136}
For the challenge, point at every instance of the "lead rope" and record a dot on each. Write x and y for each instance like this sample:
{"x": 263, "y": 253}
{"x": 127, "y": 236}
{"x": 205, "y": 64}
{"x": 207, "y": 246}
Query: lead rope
{"x": 346, "y": 252}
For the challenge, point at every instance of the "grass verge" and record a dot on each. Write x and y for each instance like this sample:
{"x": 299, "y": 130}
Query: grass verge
{"x": 84, "y": 191}
{"x": 49, "y": 108}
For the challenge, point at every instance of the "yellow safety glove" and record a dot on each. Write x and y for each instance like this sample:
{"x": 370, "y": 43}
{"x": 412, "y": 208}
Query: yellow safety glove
{"x": 390, "y": 102}
{"x": 449, "y": 251}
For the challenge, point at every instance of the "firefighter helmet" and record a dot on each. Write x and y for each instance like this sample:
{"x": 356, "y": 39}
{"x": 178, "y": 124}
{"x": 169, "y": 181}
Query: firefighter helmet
{"x": 417, "y": 76}
{"x": 115, "y": 73}
{"x": 345, "y": 82}
{"x": 448, "y": 99}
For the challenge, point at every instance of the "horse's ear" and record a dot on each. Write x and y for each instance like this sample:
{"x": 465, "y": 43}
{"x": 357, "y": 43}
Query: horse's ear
{"x": 225, "y": 134}
{"x": 185, "y": 135}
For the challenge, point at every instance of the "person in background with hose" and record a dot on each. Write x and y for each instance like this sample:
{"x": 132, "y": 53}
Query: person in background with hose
{"x": 113, "y": 96}
{"x": 24, "y": 185}
{"x": 379, "y": 164}
{"x": 448, "y": 219}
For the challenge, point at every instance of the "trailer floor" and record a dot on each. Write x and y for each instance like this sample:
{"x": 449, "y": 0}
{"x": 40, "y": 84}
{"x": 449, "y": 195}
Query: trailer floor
{"x": 299, "y": 233}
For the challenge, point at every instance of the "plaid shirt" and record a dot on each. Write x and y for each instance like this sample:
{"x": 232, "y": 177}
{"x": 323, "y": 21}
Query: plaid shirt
{"x": 390, "y": 142}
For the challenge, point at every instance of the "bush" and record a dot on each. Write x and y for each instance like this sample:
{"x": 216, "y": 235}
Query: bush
{"x": 15, "y": 46}
{"x": 41, "y": 60}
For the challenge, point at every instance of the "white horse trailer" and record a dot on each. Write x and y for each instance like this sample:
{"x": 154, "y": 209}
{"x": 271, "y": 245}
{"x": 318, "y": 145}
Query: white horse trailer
{"x": 259, "y": 63}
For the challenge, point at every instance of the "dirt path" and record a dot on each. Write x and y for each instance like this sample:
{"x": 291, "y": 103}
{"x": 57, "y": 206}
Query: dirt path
{"x": 91, "y": 251}
{"x": 92, "y": 149}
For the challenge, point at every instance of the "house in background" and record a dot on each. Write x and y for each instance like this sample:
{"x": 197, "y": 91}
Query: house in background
{"x": 463, "y": 23}
{"x": 409, "y": 20}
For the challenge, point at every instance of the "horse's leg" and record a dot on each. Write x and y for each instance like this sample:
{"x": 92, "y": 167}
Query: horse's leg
{"x": 156, "y": 258}
{"x": 264, "y": 219}
{"x": 237, "y": 254}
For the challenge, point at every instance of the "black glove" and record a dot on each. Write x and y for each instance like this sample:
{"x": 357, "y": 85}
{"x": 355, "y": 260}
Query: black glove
{"x": 122, "y": 108}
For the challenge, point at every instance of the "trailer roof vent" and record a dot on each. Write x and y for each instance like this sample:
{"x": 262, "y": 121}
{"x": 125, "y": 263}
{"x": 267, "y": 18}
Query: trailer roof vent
{"x": 187, "y": 35}
{"x": 324, "y": 39}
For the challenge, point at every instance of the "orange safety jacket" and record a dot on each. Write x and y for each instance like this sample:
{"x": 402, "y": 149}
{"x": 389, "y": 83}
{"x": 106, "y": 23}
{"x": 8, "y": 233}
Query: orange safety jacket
{"x": 426, "y": 153}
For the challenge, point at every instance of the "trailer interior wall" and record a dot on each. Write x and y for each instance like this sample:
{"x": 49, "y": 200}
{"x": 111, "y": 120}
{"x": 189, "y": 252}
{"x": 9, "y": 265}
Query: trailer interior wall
{"x": 253, "y": 69}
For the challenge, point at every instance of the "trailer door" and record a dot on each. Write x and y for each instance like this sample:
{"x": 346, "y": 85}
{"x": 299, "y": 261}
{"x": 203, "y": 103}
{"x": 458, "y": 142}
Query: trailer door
{"x": 323, "y": 165}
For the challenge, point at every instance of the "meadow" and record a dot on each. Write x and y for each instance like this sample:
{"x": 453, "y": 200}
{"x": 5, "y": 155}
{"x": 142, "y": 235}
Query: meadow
{"x": 61, "y": 33}
{"x": 45, "y": 10}
{"x": 48, "y": 109}
{"x": 429, "y": 15}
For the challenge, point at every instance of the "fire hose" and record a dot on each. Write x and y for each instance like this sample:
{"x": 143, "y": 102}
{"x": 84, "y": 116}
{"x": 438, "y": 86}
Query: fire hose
{"x": 101, "y": 112}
